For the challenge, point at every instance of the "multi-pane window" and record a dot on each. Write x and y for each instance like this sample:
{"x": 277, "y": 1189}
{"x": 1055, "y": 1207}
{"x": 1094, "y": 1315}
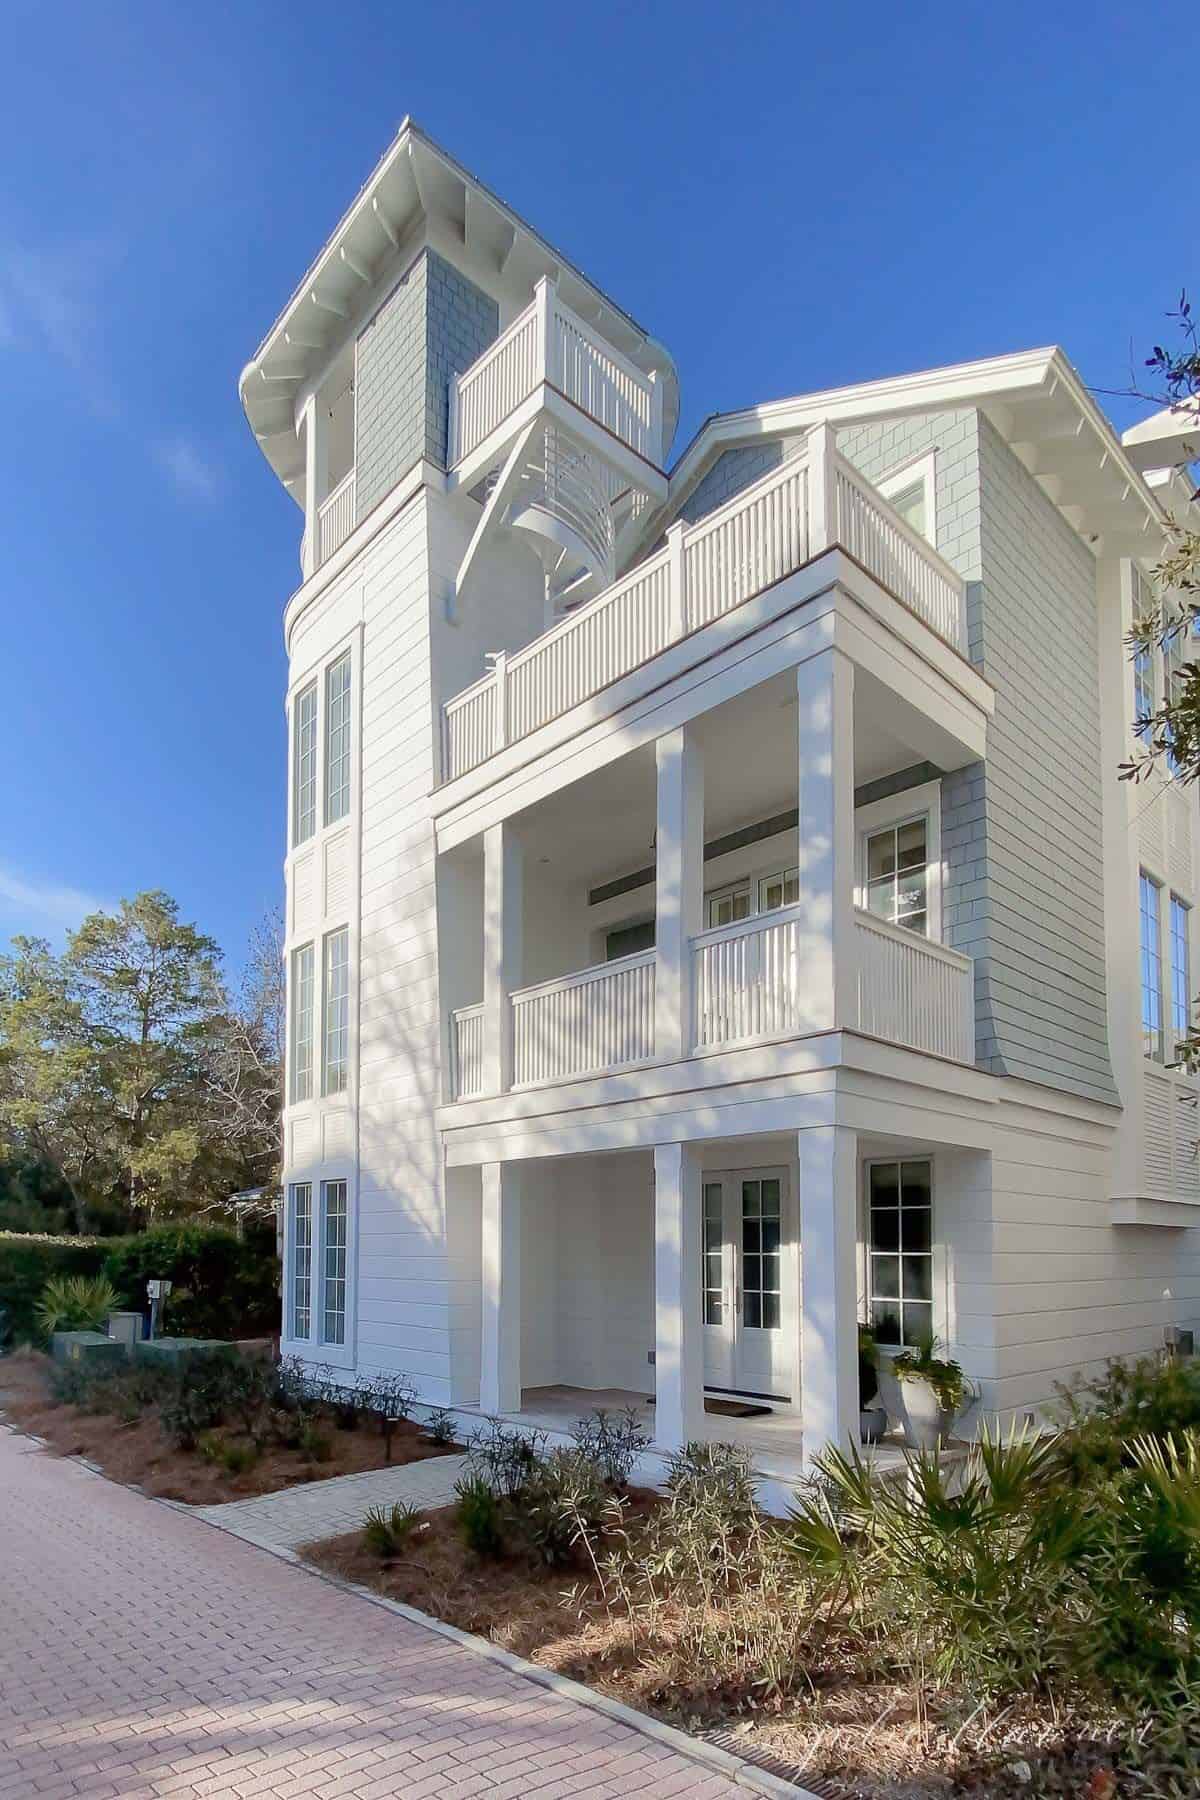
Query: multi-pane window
{"x": 727, "y": 907}
{"x": 304, "y": 765}
{"x": 714, "y": 1253}
{"x": 910, "y": 504}
{"x": 1173, "y": 665}
{"x": 897, "y": 875}
{"x": 333, "y": 1262}
{"x": 900, "y": 1251}
{"x": 1181, "y": 975}
{"x": 301, "y": 1289}
{"x": 336, "y": 1013}
{"x": 779, "y": 890}
{"x": 302, "y": 1023}
{"x": 1153, "y": 1035}
{"x": 337, "y": 739}
{"x": 762, "y": 1287}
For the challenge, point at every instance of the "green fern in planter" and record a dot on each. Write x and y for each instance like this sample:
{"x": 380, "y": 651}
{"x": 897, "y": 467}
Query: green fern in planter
{"x": 942, "y": 1374}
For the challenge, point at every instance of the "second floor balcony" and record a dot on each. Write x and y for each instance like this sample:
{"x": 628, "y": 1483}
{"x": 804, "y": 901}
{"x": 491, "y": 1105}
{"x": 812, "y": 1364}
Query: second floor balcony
{"x": 813, "y": 501}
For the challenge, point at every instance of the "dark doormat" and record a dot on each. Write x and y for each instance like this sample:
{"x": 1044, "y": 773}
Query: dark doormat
{"x": 735, "y": 1409}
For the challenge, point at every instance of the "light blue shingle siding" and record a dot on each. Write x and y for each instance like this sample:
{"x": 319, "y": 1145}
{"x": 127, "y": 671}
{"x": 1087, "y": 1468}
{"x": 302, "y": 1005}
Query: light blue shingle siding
{"x": 433, "y": 325}
{"x": 732, "y": 471}
{"x": 1021, "y": 833}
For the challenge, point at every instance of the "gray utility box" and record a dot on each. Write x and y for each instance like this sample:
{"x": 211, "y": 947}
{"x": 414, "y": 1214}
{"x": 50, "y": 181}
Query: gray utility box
{"x": 172, "y": 1350}
{"x": 91, "y": 1347}
{"x": 125, "y": 1328}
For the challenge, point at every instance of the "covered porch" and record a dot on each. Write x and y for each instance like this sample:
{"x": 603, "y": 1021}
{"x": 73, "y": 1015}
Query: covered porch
{"x": 714, "y": 1287}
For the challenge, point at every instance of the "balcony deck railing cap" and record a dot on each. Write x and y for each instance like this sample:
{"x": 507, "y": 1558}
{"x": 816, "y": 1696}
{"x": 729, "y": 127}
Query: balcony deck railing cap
{"x": 637, "y": 959}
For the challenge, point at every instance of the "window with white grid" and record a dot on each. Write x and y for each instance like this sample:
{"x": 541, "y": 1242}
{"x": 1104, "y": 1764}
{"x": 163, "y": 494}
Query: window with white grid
{"x": 302, "y": 1023}
{"x": 301, "y": 1286}
{"x": 304, "y": 765}
{"x": 1181, "y": 974}
{"x": 333, "y": 1262}
{"x": 337, "y": 739}
{"x": 900, "y": 1253}
{"x": 1149, "y": 908}
{"x": 336, "y": 1013}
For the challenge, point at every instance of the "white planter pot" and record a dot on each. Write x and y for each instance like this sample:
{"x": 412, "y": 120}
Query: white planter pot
{"x": 925, "y": 1421}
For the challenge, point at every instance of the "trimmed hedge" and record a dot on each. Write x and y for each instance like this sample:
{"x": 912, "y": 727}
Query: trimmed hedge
{"x": 27, "y": 1263}
{"x": 222, "y": 1285}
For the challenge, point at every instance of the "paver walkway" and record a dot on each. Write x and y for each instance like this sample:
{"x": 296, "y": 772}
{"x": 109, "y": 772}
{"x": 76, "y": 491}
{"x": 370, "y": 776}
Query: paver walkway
{"x": 323, "y": 1509}
{"x": 144, "y": 1654}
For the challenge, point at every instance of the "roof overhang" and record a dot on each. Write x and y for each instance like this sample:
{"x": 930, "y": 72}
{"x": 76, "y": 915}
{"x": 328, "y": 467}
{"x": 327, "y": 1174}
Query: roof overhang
{"x": 1035, "y": 400}
{"x": 413, "y": 182}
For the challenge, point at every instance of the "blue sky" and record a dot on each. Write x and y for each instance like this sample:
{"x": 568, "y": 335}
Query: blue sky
{"x": 789, "y": 196}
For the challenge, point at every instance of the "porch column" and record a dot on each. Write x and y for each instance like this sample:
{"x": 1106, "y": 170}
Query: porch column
{"x": 503, "y": 904}
{"x": 500, "y": 1340}
{"x": 316, "y": 478}
{"x": 678, "y": 1354}
{"x": 825, "y": 852}
{"x": 679, "y": 887}
{"x": 828, "y": 1288}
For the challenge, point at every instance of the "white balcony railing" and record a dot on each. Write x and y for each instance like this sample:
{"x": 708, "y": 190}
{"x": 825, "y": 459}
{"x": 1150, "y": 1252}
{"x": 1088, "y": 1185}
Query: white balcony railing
{"x": 335, "y": 519}
{"x": 551, "y": 344}
{"x": 586, "y": 1023}
{"x": 705, "y": 571}
{"x": 913, "y": 991}
{"x": 466, "y": 1043}
{"x": 746, "y": 979}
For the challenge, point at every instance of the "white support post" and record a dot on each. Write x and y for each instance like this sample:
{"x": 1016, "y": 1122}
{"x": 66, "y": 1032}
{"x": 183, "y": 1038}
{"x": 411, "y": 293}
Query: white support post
{"x": 500, "y": 1339}
{"x": 677, "y": 603}
{"x": 825, "y": 834}
{"x": 679, "y": 888}
{"x": 678, "y": 1353}
{"x": 656, "y": 417}
{"x": 316, "y": 480}
{"x": 828, "y": 1288}
{"x": 503, "y": 905}
{"x": 544, "y": 295}
{"x": 500, "y": 713}
{"x": 822, "y": 489}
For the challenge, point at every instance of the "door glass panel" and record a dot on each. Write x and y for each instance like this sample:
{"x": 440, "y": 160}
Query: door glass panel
{"x": 761, "y": 1259}
{"x": 714, "y": 1261}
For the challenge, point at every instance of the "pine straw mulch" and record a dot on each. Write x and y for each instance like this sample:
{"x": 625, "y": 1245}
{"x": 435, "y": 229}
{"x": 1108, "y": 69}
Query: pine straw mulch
{"x": 143, "y": 1456}
{"x": 852, "y": 1738}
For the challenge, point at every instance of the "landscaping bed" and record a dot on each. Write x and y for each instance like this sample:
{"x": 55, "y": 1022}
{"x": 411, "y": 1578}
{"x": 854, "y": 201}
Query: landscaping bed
{"x": 120, "y": 1427}
{"x": 1030, "y": 1626}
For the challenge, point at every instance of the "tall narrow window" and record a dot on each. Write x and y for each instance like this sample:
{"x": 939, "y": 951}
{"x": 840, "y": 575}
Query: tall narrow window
{"x": 302, "y": 1023}
{"x": 900, "y": 1274}
{"x": 1143, "y": 692}
{"x": 336, "y": 1010}
{"x": 337, "y": 739}
{"x": 301, "y": 1295}
{"x": 304, "y": 765}
{"x": 333, "y": 1262}
{"x": 1153, "y": 1036}
{"x": 1173, "y": 665}
{"x": 714, "y": 1253}
{"x": 1181, "y": 974}
{"x": 898, "y": 875}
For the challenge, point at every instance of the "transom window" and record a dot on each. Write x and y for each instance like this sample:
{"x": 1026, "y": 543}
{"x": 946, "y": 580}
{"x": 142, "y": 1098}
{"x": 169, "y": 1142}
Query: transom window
{"x": 1181, "y": 975}
{"x": 333, "y": 1262}
{"x": 1153, "y": 1036}
{"x": 301, "y": 1295}
{"x": 336, "y": 1057}
{"x": 302, "y": 1023}
{"x": 304, "y": 760}
{"x": 900, "y": 1251}
{"x": 337, "y": 739}
{"x": 897, "y": 875}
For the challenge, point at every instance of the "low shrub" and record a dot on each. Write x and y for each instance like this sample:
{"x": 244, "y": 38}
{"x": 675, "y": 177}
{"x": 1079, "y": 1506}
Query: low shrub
{"x": 503, "y": 1457}
{"x": 440, "y": 1426}
{"x": 613, "y": 1442}
{"x": 1103, "y": 1418}
{"x": 387, "y": 1531}
{"x": 314, "y": 1445}
{"x": 75, "y": 1303}
{"x": 562, "y": 1507}
{"x": 237, "y": 1458}
{"x": 478, "y": 1516}
{"x": 713, "y": 1482}
{"x": 28, "y": 1263}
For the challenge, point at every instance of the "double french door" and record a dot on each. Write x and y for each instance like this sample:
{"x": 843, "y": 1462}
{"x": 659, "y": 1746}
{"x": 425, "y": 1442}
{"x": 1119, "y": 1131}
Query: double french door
{"x": 744, "y": 1254}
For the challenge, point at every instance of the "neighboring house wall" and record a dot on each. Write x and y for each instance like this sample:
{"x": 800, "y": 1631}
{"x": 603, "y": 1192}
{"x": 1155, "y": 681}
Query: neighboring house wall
{"x": 1021, "y": 833}
{"x": 433, "y": 325}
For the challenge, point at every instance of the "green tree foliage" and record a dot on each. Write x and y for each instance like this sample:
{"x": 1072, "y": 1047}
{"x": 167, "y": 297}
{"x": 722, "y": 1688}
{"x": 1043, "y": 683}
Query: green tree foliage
{"x": 126, "y": 1072}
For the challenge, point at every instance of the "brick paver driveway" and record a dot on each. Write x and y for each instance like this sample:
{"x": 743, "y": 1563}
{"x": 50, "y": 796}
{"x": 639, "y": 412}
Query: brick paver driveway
{"x": 142, "y": 1652}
